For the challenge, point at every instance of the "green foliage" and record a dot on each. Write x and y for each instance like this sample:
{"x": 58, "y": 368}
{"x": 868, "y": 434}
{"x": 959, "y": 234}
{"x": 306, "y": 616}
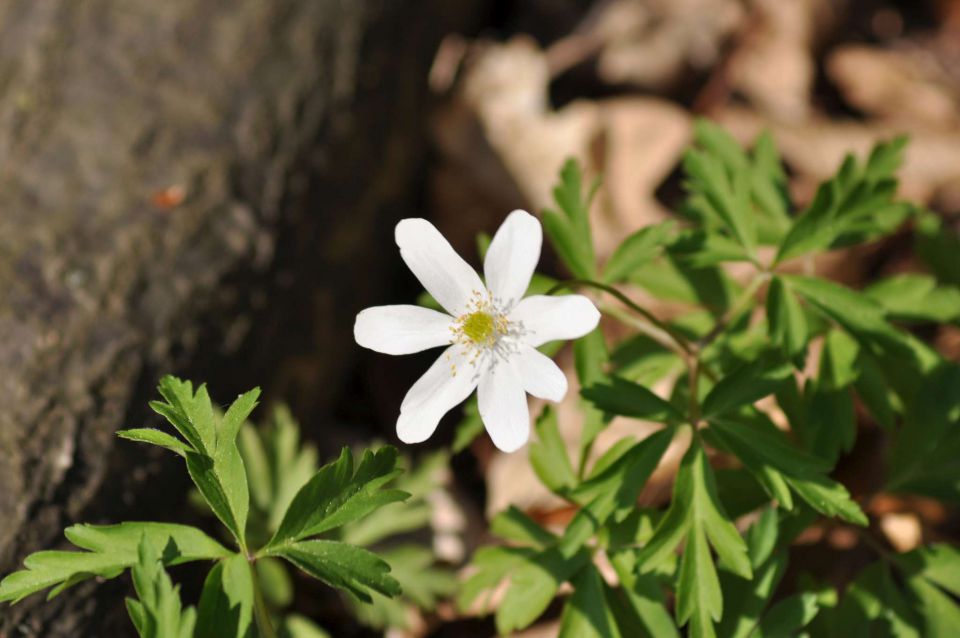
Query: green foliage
{"x": 108, "y": 551}
{"x": 856, "y": 205}
{"x": 339, "y": 493}
{"x": 755, "y": 384}
{"x": 209, "y": 445}
{"x": 636, "y": 250}
{"x": 286, "y": 487}
{"x": 227, "y": 601}
{"x": 716, "y": 377}
{"x": 569, "y": 228}
{"x": 157, "y": 612}
{"x": 282, "y": 470}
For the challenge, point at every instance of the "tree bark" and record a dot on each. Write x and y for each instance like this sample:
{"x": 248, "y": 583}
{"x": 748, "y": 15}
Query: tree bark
{"x": 183, "y": 182}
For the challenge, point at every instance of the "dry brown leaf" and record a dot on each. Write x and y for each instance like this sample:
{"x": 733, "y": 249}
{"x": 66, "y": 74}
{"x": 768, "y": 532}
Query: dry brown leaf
{"x": 653, "y": 43}
{"x": 507, "y": 89}
{"x": 643, "y": 141}
{"x": 774, "y": 66}
{"x": 500, "y": 131}
{"x": 899, "y": 85}
{"x": 816, "y": 148}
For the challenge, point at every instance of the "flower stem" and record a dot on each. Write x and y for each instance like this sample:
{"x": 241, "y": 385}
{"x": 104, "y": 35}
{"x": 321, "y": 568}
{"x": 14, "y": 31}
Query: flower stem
{"x": 694, "y": 390}
{"x": 643, "y": 326}
{"x": 677, "y": 338}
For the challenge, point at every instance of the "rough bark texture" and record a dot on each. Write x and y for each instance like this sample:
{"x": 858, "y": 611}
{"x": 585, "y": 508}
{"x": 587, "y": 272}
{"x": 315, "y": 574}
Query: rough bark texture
{"x": 293, "y": 129}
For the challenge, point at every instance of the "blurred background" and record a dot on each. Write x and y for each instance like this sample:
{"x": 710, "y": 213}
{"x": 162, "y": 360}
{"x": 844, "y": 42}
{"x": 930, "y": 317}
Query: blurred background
{"x": 209, "y": 188}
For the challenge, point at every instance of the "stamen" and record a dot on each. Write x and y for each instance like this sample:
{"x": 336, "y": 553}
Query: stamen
{"x": 484, "y": 332}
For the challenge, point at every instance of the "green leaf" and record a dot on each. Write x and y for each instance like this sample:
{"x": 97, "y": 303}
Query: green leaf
{"x": 790, "y": 615}
{"x": 617, "y": 396}
{"x": 855, "y": 313}
{"x": 829, "y": 424}
{"x": 423, "y": 584}
{"x": 872, "y": 389}
{"x": 586, "y": 614}
{"x": 548, "y": 455}
{"x": 533, "y": 586}
{"x": 829, "y": 498}
{"x": 939, "y": 563}
{"x": 644, "y": 595}
{"x": 225, "y": 502}
{"x": 235, "y": 416}
{"x": 492, "y": 564}
{"x": 469, "y": 428}
{"x": 770, "y": 190}
{"x": 428, "y": 475}
{"x": 762, "y": 537}
{"x": 613, "y": 453}
{"x": 745, "y": 600}
{"x": 214, "y": 462}
{"x": 698, "y": 589}
{"x": 786, "y": 321}
{"x": 513, "y": 525}
{"x": 155, "y": 437}
{"x": 569, "y": 229}
{"x": 875, "y": 605}
{"x": 916, "y": 297}
{"x": 644, "y": 361}
{"x": 158, "y": 613}
{"x": 923, "y": 458}
{"x": 636, "y": 250}
{"x": 351, "y": 569}
{"x": 337, "y": 495}
{"x": 718, "y": 182}
{"x": 297, "y": 626}
{"x": 696, "y": 511}
{"x": 739, "y": 490}
{"x": 938, "y": 244}
{"x": 226, "y": 602}
{"x": 189, "y": 413}
{"x": 614, "y": 491}
{"x": 940, "y": 612}
{"x": 854, "y": 205}
{"x": 743, "y": 386}
{"x": 669, "y": 278}
{"x": 274, "y": 581}
{"x": 704, "y": 248}
{"x": 767, "y": 447}
{"x": 110, "y": 550}
{"x": 590, "y": 356}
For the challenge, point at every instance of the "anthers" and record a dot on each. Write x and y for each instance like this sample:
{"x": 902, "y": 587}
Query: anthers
{"x": 480, "y": 328}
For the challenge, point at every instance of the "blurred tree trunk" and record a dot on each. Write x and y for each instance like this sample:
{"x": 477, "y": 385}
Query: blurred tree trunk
{"x": 180, "y": 183}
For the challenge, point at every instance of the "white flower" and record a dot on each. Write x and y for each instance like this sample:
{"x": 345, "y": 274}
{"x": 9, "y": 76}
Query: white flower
{"x": 491, "y": 332}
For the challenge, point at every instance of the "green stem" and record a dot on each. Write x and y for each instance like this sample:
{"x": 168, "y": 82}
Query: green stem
{"x": 260, "y": 613}
{"x": 643, "y": 326}
{"x": 737, "y": 307}
{"x": 678, "y": 338}
{"x": 694, "y": 390}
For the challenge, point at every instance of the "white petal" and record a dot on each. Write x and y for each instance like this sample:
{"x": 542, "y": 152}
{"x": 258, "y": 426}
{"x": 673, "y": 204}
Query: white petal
{"x": 432, "y": 396}
{"x": 503, "y": 407}
{"x": 544, "y": 318}
{"x": 402, "y": 329}
{"x": 436, "y": 264}
{"x": 541, "y": 377}
{"x": 512, "y": 257}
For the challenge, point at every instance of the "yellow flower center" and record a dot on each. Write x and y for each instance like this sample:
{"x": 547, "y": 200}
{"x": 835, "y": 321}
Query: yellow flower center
{"x": 478, "y": 327}
{"x": 482, "y": 331}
